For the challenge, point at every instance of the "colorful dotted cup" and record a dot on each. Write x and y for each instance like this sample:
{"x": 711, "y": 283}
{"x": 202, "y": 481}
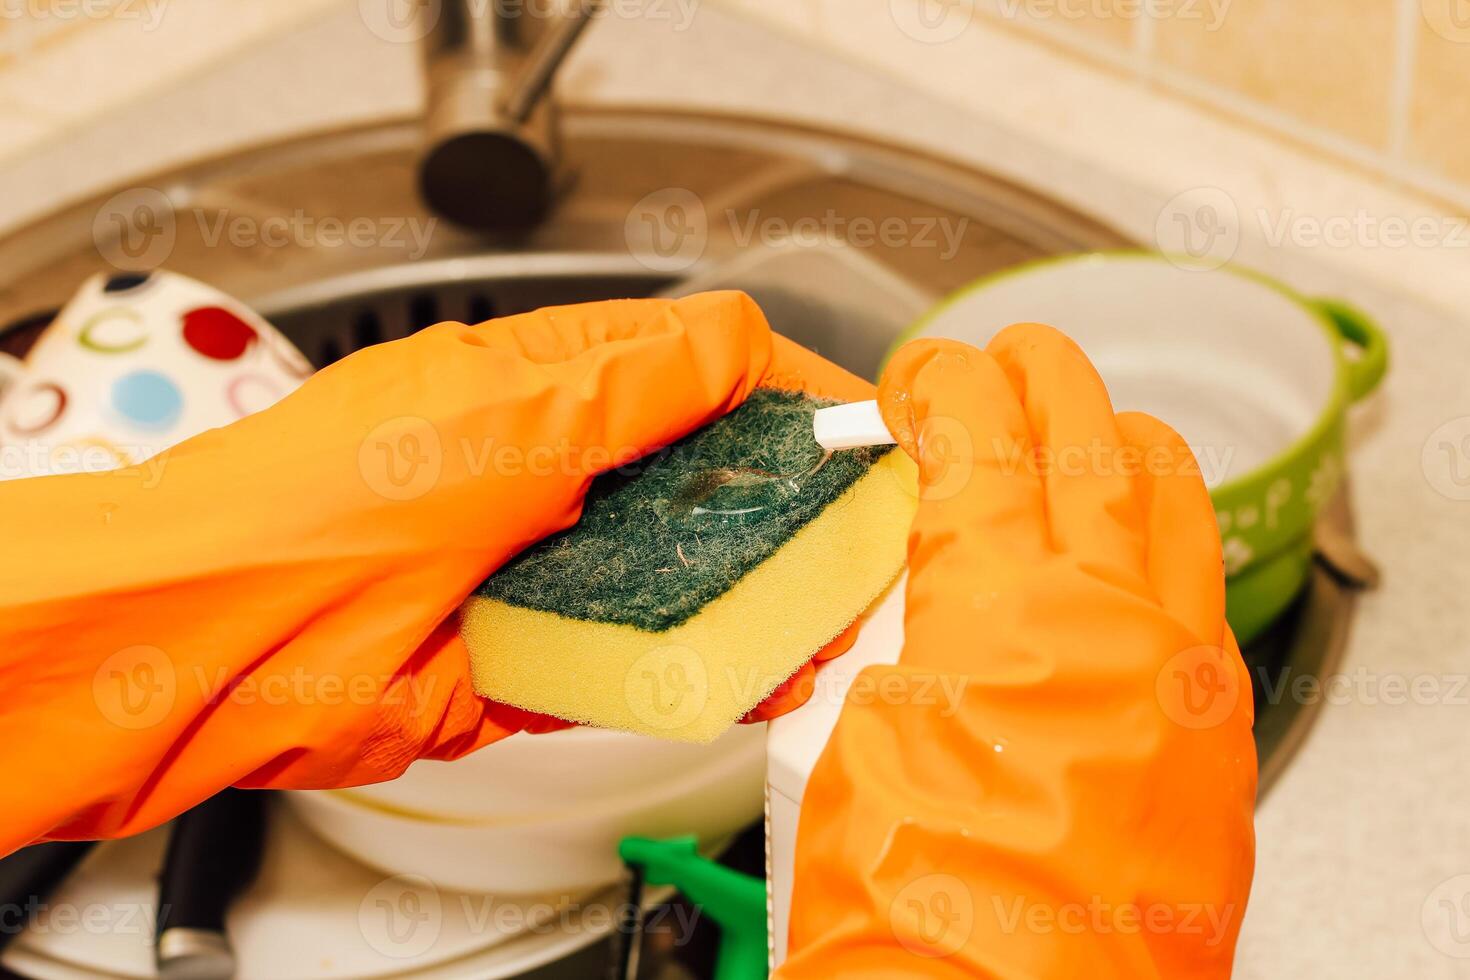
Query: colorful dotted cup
{"x": 133, "y": 365}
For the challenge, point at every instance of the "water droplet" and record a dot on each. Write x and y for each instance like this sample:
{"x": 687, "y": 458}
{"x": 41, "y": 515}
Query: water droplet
{"x": 734, "y": 491}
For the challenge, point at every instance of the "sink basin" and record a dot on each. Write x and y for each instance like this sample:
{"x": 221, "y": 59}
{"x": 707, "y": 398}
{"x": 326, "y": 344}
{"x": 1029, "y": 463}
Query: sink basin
{"x": 267, "y": 225}
{"x": 652, "y": 199}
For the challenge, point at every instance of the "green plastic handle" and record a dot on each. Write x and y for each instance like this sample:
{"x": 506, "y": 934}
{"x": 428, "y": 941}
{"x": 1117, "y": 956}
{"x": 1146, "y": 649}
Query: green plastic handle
{"x": 1357, "y": 328}
{"x": 736, "y": 902}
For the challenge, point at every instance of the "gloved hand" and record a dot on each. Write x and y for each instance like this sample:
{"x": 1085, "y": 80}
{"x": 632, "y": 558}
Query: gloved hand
{"x": 266, "y": 605}
{"x": 1082, "y": 807}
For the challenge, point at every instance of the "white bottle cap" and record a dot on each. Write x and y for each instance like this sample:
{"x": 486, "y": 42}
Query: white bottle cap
{"x": 850, "y": 426}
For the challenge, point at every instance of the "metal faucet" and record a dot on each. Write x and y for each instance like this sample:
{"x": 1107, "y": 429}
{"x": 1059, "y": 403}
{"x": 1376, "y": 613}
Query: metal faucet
{"x": 491, "y": 150}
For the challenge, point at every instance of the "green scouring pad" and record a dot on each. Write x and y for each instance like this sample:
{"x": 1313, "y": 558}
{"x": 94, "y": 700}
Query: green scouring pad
{"x": 698, "y": 580}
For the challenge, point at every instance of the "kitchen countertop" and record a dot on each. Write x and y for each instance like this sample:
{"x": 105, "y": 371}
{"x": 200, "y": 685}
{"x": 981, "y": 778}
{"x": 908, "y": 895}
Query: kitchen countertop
{"x": 1365, "y": 836}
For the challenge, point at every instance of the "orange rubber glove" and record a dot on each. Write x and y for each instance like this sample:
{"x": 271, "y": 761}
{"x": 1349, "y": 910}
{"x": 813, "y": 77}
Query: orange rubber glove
{"x": 266, "y": 604}
{"x": 1082, "y": 806}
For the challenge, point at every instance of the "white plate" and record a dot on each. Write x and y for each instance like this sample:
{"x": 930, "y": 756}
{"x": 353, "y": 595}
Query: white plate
{"x": 529, "y": 777}
{"x": 313, "y": 914}
{"x": 573, "y": 848}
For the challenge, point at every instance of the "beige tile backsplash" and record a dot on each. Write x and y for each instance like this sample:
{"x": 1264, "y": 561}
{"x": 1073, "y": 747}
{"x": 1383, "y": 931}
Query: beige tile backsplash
{"x": 64, "y": 62}
{"x": 1382, "y": 83}
{"x": 1438, "y": 125}
{"x": 1109, "y": 24}
{"x": 1327, "y": 63}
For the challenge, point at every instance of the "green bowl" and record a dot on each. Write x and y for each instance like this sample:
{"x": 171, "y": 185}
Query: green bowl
{"x": 1256, "y": 377}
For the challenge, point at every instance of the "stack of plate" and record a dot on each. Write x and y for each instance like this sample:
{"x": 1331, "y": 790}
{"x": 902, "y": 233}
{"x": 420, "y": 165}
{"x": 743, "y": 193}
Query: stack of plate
{"x": 312, "y": 914}
{"x": 543, "y": 813}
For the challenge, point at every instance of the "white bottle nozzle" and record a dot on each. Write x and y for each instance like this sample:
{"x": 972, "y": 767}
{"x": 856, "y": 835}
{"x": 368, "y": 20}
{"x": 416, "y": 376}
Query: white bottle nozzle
{"x": 850, "y": 426}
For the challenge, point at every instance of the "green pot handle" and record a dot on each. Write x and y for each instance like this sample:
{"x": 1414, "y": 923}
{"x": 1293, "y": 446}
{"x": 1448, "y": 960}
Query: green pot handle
{"x": 1356, "y": 328}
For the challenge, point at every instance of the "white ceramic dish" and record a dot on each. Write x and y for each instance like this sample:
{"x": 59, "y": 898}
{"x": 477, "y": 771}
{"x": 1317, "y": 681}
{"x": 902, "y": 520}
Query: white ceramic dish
{"x": 312, "y": 914}
{"x": 570, "y": 848}
{"x": 530, "y": 775}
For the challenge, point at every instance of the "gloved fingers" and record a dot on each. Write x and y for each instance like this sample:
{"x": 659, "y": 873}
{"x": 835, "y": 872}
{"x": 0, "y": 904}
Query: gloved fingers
{"x": 1183, "y": 540}
{"x": 447, "y": 719}
{"x": 440, "y": 717}
{"x": 794, "y": 368}
{"x": 567, "y": 333}
{"x": 797, "y": 690}
{"x": 840, "y": 644}
{"x": 641, "y": 372}
{"x": 429, "y": 710}
{"x": 578, "y": 339}
{"x": 1091, "y": 507}
{"x": 536, "y": 723}
{"x": 658, "y": 379}
{"x": 792, "y": 693}
{"x": 557, "y": 334}
{"x": 981, "y": 506}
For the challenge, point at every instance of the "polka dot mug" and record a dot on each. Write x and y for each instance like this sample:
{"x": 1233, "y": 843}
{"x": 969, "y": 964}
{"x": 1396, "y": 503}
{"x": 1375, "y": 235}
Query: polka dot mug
{"x": 135, "y": 364}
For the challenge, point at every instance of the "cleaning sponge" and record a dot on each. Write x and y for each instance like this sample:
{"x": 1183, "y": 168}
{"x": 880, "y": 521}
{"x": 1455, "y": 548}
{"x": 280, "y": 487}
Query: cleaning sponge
{"x": 691, "y": 589}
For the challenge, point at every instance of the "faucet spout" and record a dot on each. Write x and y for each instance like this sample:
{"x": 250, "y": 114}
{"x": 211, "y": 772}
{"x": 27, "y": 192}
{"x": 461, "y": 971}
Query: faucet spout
{"x": 491, "y": 150}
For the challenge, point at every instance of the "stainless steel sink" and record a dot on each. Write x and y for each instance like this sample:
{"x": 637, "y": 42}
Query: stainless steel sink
{"x": 634, "y": 176}
{"x": 739, "y": 170}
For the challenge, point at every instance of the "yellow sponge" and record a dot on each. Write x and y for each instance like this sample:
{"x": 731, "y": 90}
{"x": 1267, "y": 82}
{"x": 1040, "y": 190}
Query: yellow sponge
{"x": 672, "y": 613}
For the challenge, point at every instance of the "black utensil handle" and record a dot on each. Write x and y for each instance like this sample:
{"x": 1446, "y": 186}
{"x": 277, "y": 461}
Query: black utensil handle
{"x": 29, "y": 876}
{"x": 627, "y": 945}
{"x": 213, "y": 855}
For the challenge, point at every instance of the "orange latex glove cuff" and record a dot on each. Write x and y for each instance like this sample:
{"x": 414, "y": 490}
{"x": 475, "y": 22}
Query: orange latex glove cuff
{"x": 1077, "y": 800}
